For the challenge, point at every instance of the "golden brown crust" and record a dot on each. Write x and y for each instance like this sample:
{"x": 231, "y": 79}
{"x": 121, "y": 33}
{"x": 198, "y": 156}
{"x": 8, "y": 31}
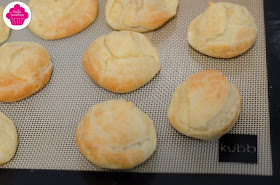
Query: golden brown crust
{"x": 116, "y": 135}
{"x": 205, "y": 106}
{"x": 121, "y": 61}
{"x": 8, "y": 139}
{"x": 224, "y": 30}
{"x": 139, "y": 15}
{"x": 25, "y": 68}
{"x": 4, "y": 29}
{"x": 52, "y": 19}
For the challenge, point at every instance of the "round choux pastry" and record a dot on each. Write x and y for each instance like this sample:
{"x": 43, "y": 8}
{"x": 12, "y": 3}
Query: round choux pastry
{"x": 224, "y": 30}
{"x": 116, "y": 135}
{"x": 205, "y": 106}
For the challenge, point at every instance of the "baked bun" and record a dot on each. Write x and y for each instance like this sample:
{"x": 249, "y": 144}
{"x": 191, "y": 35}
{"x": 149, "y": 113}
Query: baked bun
{"x": 25, "y": 68}
{"x": 116, "y": 135}
{"x": 56, "y": 19}
{"x": 140, "y": 16}
{"x": 205, "y": 106}
{"x": 121, "y": 61}
{"x": 4, "y": 29}
{"x": 224, "y": 30}
{"x": 8, "y": 139}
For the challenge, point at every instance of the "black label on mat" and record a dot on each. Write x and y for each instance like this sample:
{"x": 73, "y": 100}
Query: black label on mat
{"x": 238, "y": 148}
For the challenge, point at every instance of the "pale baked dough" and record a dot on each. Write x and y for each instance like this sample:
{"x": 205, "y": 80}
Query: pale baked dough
{"x": 8, "y": 139}
{"x": 116, "y": 135}
{"x": 205, "y": 106}
{"x": 25, "y": 68}
{"x": 224, "y": 30}
{"x": 139, "y": 15}
{"x": 56, "y": 19}
{"x": 121, "y": 61}
{"x": 4, "y": 29}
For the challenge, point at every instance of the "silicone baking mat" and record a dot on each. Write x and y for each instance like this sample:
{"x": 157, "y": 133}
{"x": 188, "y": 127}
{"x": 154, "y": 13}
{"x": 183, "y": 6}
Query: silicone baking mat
{"x": 46, "y": 122}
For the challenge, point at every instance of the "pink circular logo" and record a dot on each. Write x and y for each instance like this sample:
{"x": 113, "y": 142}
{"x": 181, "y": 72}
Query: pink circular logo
{"x": 17, "y": 15}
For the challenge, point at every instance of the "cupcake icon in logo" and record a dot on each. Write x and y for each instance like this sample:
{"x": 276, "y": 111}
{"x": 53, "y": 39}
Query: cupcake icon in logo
{"x": 17, "y": 15}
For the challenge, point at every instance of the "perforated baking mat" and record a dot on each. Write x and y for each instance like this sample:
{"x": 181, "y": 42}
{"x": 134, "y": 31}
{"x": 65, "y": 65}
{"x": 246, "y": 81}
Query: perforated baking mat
{"x": 46, "y": 122}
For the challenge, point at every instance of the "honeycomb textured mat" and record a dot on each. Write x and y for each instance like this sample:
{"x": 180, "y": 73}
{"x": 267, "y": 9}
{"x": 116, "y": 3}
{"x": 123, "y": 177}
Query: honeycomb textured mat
{"x": 47, "y": 121}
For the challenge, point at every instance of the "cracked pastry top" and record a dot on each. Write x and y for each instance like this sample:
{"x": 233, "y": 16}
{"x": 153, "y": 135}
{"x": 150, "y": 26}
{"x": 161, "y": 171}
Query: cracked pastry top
{"x": 4, "y": 29}
{"x": 56, "y": 19}
{"x": 25, "y": 68}
{"x": 224, "y": 30}
{"x": 205, "y": 106}
{"x": 139, "y": 15}
{"x": 116, "y": 135}
{"x": 121, "y": 61}
{"x": 8, "y": 139}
